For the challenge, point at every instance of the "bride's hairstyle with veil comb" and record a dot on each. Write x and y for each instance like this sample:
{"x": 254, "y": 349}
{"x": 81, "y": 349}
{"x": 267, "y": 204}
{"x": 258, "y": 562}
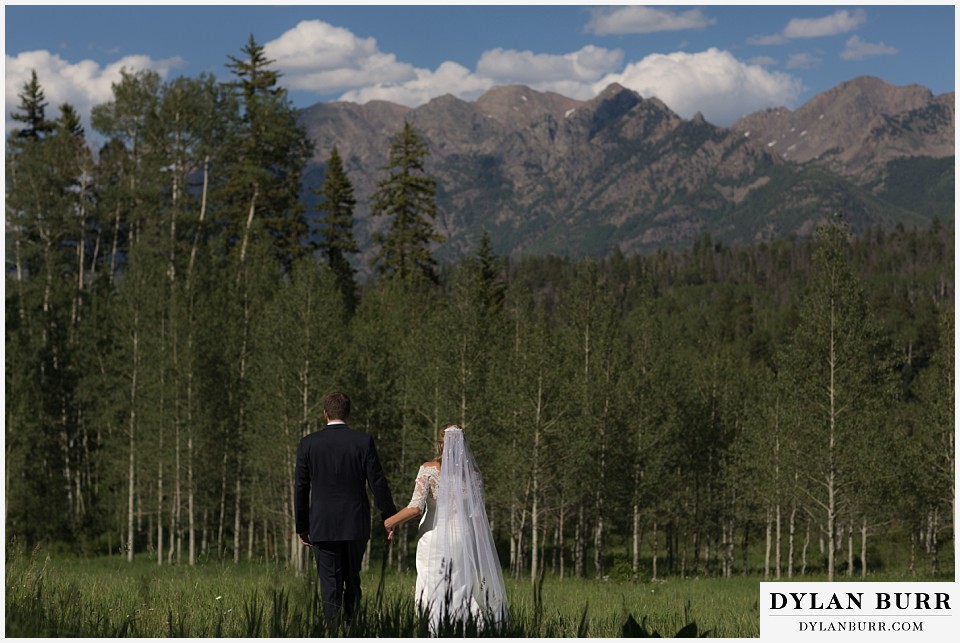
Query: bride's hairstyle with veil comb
{"x": 438, "y": 455}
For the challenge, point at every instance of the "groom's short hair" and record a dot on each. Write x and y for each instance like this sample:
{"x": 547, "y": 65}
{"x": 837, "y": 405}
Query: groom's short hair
{"x": 337, "y": 406}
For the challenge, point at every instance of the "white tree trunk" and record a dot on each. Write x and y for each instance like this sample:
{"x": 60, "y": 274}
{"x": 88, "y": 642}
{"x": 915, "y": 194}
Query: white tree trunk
{"x": 160, "y": 504}
{"x": 191, "y": 509}
{"x": 560, "y": 537}
{"x": 863, "y": 548}
{"x": 131, "y": 486}
{"x": 236, "y": 521}
{"x": 779, "y": 557}
{"x": 831, "y": 472}
{"x": 111, "y": 275}
{"x": 653, "y": 567}
{"x": 598, "y": 532}
{"x": 792, "y": 539}
{"x": 850, "y": 548}
{"x": 250, "y": 533}
{"x": 769, "y": 546}
{"x": 538, "y": 428}
{"x": 221, "y": 522}
{"x": 177, "y": 524}
{"x": 246, "y": 229}
{"x": 535, "y": 505}
{"x": 803, "y": 555}
{"x": 203, "y": 213}
{"x": 635, "y": 544}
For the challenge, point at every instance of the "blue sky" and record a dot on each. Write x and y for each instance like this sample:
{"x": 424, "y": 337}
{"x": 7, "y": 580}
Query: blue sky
{"x": 723, "y": 61}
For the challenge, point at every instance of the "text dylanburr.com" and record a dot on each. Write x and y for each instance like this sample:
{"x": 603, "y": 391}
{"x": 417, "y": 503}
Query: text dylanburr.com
{"x": 845, "y": 611}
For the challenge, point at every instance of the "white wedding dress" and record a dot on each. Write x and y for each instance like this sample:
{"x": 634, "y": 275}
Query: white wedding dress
{"x": 458, "y": 570}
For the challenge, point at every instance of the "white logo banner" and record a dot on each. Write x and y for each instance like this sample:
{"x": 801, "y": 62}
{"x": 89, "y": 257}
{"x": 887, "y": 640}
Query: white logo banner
{"x": 858, "y": 611}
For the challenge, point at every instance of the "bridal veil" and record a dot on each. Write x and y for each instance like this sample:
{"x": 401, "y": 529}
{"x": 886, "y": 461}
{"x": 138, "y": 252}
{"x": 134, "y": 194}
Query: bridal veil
{"x": 465, "y": 580}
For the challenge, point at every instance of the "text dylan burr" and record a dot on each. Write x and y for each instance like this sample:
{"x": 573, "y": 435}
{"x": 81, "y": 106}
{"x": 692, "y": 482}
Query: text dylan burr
{"x": 854, "y": 601}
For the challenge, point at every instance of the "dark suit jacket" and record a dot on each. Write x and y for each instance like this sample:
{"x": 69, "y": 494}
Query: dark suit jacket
{"x": 334, "y": 467}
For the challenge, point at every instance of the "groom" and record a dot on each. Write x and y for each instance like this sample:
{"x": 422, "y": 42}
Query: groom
{"x": 334, "y": 467}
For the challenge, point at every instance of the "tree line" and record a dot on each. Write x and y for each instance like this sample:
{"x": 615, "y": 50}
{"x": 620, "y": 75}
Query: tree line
{"x": 175, "y": 315}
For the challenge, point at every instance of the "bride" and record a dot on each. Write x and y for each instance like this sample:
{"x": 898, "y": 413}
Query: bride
{"x": 458, "y": 570}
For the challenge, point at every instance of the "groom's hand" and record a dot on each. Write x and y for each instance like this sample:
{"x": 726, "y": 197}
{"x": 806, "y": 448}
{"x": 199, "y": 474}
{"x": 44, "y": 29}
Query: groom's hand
{"x": 305, "y": 538}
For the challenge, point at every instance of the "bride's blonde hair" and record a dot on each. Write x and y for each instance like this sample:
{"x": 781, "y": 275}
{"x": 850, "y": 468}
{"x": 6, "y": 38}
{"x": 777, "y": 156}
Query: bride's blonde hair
{"x": 439, "y": 445}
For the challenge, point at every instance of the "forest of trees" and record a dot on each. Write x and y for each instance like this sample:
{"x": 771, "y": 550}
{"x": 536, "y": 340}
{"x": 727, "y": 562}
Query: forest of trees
{"x": 175, "y": 315}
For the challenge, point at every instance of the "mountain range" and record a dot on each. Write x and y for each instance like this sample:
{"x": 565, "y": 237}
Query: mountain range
{"x": 544, "y": 173}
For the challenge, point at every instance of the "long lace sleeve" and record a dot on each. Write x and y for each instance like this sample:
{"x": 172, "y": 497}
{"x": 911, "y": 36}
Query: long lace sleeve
{"x": 421, "y": 490}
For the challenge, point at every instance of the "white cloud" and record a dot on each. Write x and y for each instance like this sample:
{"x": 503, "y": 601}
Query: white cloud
{"x": 763, "y": 61}
{"x": 585, "y": 65}
{"x": 82, "y": 84}
{"x": 633, "y": 20}
{"x": 449, "y": 78}
{"x": 802, "y": 61}
{"x": 775, "y": 39}
{"x": 320, "y": 58}
{"x": 313, "y": 43}
{"x": 857, "y": 49}
{"x": 713, "y": 82}
{"x": 316, "y": 56}
{"x": 570, "y": 74}
{"x": 837, "y": 23}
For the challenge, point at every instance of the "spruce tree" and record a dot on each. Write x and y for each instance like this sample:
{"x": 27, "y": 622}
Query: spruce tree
{"x": 69, "y": 122}
{"x": 32, "y": 111}
{"x": 407, "y": 194}
{"x": 336, "y": 227}
{"x": 488, "y": 275}
{"x": 268, "y": 151}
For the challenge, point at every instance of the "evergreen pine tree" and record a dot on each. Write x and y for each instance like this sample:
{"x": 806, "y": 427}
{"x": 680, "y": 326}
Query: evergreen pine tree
{"x": 32, "y": 111}
{"x": 407, "y": 194}
{"x": 268, "y": 152}
{"x": 336, "y": 227}
{"x": 69, "y": 121}
{"x": 488, "y": 275}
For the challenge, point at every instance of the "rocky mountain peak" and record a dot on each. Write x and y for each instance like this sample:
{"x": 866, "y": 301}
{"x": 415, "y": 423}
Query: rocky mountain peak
{"x": 513, "y": 104}
{"x": 832, "y": 128}
{"x": 611, "y": 90}
{"x": 544, "y": 173}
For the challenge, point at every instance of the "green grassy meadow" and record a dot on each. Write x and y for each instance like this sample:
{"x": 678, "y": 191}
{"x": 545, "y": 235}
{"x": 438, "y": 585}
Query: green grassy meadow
{"x": 109, "y": 597}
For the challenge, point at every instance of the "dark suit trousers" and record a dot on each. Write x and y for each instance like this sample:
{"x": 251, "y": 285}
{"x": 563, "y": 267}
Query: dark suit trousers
{"x": 338, "y": 569}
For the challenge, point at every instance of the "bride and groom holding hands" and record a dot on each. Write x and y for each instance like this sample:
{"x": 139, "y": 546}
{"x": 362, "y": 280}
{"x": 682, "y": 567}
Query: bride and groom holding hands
{"x": 458, "y": 571}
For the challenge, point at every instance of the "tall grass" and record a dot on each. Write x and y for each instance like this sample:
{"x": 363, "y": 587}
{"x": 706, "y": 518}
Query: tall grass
{"x": 109, "y": 597}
